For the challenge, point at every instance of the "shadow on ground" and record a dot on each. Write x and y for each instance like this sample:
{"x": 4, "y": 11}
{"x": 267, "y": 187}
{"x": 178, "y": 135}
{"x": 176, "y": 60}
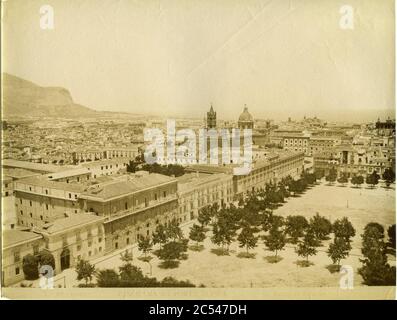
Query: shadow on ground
{"x": 273, "y": 259}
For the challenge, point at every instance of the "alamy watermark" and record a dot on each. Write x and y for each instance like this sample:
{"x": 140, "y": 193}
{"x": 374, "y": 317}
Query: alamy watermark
{"x": 180, "y": 147}
{"x": 346, "y": 281}
{"x": 46, "y": 17}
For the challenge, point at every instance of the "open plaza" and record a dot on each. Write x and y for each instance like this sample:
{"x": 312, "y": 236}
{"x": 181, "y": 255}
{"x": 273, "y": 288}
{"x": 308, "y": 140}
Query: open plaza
{"x": 359, "y": 205}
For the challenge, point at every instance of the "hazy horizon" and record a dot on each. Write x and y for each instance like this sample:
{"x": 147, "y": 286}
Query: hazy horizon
{"x": 282, "y": 59}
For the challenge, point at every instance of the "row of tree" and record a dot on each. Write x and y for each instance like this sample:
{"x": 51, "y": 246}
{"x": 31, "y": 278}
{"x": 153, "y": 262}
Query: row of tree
{"x": 247, "y": 228}
{"x": 168, "y": 170}
{"x": 128, "y": 275}
{"x": 357, "y": 180}
{"x": 172, "y": 244}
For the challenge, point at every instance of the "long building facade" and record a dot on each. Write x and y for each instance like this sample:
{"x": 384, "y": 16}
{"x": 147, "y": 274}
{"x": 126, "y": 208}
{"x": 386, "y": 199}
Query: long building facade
{"x": 132, "y": 206}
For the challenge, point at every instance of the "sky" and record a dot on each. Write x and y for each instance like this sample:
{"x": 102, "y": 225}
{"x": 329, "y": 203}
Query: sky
{"x": 174, "y": 58}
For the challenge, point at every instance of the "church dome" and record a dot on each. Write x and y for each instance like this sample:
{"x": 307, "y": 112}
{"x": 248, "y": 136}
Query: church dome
{"x": 245, "y": 116}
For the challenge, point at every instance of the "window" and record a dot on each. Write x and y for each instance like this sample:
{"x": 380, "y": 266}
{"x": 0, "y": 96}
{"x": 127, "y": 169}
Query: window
{"x": 164, "y": 194}
{"x": 70, "y": 195}
{"x": 17, "y": 270}
{"x": 46, "y": 192}
{"x": 128, "y": 241}
{"x": 126, "y": 206}
{"x": 78, "y": 247}
{"x": 20, "y": 201}
{"x": 21, "y": 213}
{"x": 35, "y": 249}
{"x": 17, "y": 256}
{"x": 116, "y": 245}
{"x": 46, "y": 206}
{"x": 31, "y": 215}
{"x": 41, "y": 218}
{"x": 30, "y": 203}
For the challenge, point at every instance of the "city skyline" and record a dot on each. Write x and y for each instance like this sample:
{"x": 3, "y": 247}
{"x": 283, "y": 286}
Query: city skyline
{"x": 277, "y": 58}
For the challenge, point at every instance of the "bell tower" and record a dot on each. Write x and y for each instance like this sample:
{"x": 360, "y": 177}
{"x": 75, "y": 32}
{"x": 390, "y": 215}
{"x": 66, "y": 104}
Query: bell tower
{"x": 211, "y": 118}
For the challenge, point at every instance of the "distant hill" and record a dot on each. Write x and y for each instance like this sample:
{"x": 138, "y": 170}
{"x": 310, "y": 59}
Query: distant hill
{"x": 24, "y": 98}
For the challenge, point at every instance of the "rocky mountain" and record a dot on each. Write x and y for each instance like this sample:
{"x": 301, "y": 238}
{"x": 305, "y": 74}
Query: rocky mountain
{"x": 24, "y": 98}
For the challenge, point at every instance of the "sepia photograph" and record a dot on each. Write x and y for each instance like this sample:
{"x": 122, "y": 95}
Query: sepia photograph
{"x": 185, "y": 149}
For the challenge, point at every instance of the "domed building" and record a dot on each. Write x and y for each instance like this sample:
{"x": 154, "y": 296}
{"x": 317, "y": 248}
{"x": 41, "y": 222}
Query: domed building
{"x": 245, "y": 121}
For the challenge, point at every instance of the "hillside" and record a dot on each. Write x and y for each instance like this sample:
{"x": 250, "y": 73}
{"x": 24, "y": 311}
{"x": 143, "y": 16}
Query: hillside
{"x": 24, "y": 98}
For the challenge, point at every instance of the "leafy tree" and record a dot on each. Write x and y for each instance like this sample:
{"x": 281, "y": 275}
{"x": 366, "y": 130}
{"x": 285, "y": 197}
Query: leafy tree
{"x": 343, "y": 228}
{"x": 378, "y": 226}
{"x": 204, "y": 216}
{"x": 343, "y": 179}
{"x": 160, "y": 235}
{"x": 267, "y": 220}
{"x": 375, "y": 270}
{"x": 84, "y": 270}
{"x": 46, "y": 258}
{"x": 132, "y": 276}
{"x": 283, "y": 190}
{"x": 126, "y": 257}
{"x": 389, "y": 176}
{"x": 175, "y": 170}
{"x": 133, "y": 166}
{"x": 275, "y": 241}
{"x": 309, "y": 178}
{"x": 224, "y": 229}
{"x": 295, "y": 227}
{"x": 170, "y": 282}
{"x": 320, "y": 226}
{"x": 372, "y": 179}
{"x": 197, "y": 234}
{"x": 217, "y": 237}
{"x": 30, "y": 267}
{"x": 297, "y": 186}
{"x": 319, "y": 173}
{"x": 173, "y": 251}
{"x": 247, "y": 238}
{"x": 307, "y": 246}
{"x": 173, "y": 231}
{"x": 107, "y": 278}
{"x": 339, "y": 249}
{"x": 332, "y": 175}
{"x": 357, "y": 180}
{"x": 144, "y": 245}
{"x": 391, "y": 232}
